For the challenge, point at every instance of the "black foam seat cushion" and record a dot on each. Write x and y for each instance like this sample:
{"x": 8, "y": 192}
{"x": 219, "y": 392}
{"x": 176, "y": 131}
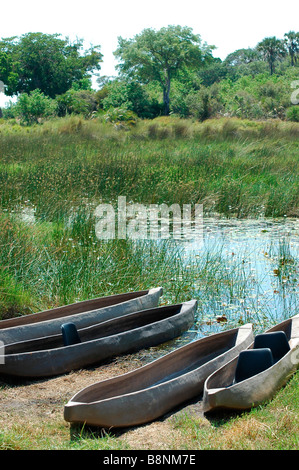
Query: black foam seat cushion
{"x": 276, "y": 341}
{"x": 252, "y": 362}
{"x": 70, "y": 334}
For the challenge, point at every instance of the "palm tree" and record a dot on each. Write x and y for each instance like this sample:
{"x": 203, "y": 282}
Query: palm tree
{"x": 292, "y": 44}
{"x": 273, "y": 49}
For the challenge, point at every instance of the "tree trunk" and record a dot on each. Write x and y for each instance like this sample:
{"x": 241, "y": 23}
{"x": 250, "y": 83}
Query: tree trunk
{"x": 272, "y": 66}
{"x": 292, "y": 58}
{"x": 166, "y": 99}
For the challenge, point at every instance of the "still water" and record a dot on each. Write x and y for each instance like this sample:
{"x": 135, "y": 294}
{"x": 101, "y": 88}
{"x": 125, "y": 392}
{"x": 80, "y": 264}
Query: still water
{"x": 262, "y": 257}
{"x": 252, "y": 273}
{"x": 256, "y": 269}
{"x": 252, "y": 270}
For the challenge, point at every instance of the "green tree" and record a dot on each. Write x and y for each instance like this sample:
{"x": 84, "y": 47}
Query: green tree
{"x": 8, "y": 74}
{"x": 243, "y": 56}
{"x": 45, "y": 62}
{"x": 161, "y": 55}
{"x": 214, "y": 72}
{"x": 244, "y": 62}
{"x": 77, "y": 101}
{"x": 32, "y": 107}
{"x": 292, "y": 44}
{"x": 273, "y": 49}
{"x": 131, "y": 95}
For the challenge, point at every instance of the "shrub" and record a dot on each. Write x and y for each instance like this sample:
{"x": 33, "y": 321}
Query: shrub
{"x": 77, "y": 102}
{"x": 33, "y": 107}
{"x": 293, "y": 114}
{"x": 198, "y": 104}
{"x": 121, "y": 115}
{"x": 133, "y": 96}
{"x": 9, "y": 112}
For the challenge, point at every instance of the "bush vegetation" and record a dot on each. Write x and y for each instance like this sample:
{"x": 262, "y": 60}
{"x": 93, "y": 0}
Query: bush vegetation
{"x": 255, "y": 83}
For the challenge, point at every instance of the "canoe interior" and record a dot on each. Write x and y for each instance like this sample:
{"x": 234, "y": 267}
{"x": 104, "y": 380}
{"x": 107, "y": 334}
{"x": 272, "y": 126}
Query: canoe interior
{"x": 286, "y": 326}
{"x": 172, "y": 365}
{"x": 101, "y": 330}
{"x": 79, "y": 307}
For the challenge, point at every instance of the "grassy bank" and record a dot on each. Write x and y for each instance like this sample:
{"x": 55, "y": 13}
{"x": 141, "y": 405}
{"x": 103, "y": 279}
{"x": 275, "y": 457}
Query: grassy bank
{"x": 32, "y": 419}
{"x": 273, "y": 426}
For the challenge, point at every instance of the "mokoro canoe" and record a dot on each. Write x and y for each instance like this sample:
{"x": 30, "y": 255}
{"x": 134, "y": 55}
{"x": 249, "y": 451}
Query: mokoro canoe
{"x": 258, "y": 373}
{"x": 150, "y": 391}
{"x": 83, "y": 314}
{"x": 48, "y": 356}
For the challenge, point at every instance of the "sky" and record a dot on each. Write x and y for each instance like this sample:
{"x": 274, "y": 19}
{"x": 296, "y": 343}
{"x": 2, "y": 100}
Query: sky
{"x": 227, "y": 24}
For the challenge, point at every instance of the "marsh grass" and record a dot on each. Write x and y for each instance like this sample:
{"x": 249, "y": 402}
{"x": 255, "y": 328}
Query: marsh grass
{"x": 53, "y": 265}
{"x": 46, "y": 264}
{"x": 233, "y": 167}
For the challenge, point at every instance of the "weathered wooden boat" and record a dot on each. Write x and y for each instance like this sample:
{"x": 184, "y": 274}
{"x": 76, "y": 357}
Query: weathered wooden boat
{"x": 74, "y": 349}
{"x": 83, "y": 314}
{"x": 150, "y": 391}
{"x": 257, "y": 373}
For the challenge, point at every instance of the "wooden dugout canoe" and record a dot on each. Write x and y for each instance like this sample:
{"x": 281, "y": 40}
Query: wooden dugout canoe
{"x": 83, "y": 314}
{"x": 149, "y": 392}
{"x": 47, "y": 356}
{"x": 223, "y": 391}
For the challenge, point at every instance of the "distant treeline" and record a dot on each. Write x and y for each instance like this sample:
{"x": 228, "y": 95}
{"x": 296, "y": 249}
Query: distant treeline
{"x": 170, "y": 71}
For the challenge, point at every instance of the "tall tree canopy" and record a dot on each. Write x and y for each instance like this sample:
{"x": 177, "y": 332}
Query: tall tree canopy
{"x": 161, "y": 55}
{"x": 8, "y": 75}
{"x": 292, "y": 44}
{"x": 273, "y": 49}
{"x": 242, "y": 56}
{"x": 45, "y": 62}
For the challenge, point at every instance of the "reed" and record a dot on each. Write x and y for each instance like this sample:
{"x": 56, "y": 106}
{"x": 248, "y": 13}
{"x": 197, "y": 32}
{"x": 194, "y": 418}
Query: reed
{"x": 234, "y": 169}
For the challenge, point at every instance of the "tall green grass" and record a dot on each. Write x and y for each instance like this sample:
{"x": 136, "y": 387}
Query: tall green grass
{"x": 233, "y": 167}
{"x": 47, "y": 264}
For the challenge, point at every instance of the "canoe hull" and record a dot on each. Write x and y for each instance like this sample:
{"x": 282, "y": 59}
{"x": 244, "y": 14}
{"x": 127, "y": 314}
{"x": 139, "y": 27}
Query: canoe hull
{"x": 161, "y": 385}
{"x": 221, "y": 393}
{"x": 256, "y": 390}
{"x": 49, "y": 362}
{"x": 116, "y": 305}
